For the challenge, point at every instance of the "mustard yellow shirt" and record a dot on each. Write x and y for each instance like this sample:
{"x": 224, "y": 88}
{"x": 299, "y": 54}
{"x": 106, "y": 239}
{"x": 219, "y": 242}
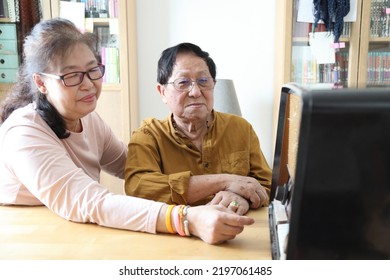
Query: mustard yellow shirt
{"x": 160, "y": 160}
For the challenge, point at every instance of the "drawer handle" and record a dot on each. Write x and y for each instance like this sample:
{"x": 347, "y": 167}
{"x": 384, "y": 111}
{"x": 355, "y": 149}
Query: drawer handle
{"x": 2, "y": 61}
{"x": 3, "y": 75}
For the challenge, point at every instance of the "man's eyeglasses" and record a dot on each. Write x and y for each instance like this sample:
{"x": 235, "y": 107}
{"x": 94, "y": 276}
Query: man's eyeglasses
{"x": 76, "y": 78}
{"x": 184, "y": 84}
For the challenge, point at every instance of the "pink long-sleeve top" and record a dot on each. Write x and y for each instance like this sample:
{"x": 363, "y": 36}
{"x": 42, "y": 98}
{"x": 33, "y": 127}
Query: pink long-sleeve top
{"x": 38, "y": 168}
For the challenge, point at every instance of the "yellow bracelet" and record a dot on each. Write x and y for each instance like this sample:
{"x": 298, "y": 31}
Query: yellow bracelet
{"x": 168, "y": 222}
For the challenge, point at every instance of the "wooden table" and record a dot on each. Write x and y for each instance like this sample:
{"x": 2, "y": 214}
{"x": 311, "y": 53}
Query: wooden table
{"x": 28, "y": 233}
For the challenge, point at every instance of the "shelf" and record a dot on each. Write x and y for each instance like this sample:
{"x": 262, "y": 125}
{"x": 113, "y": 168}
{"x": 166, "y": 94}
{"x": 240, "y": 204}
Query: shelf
{"x": 111, "y": 87}
{"x": 99, "y": 21}
{"x": 379, "y": 40}
{"x": 306, "y": 39}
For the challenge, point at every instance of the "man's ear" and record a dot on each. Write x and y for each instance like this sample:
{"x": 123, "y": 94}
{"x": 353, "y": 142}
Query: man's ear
{"x": 161, "y": 91}
{"x": 40, "y": 83}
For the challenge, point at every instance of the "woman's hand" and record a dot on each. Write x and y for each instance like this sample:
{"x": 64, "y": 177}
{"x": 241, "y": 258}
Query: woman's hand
{"x": 231, "y": 200}
{"x": 248, "y": 188}
{"x": 215, "y": 224}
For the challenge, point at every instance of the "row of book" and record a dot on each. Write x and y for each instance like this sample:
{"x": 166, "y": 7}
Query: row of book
{"x": 380, "y": 18}
{"x": 378, "y": 68}
{"x": 110, "y": 58}
{"x": 101, "y": 8}
{"x": 305, "y": 69}
{"x": 108, "y": 47}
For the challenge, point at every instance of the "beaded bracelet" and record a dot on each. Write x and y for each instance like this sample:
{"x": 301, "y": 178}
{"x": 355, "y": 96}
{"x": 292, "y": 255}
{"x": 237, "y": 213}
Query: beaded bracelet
{"x": 177, "y": 220}
{"x": 185, "y": 221}
{"x": 168, "y": 222}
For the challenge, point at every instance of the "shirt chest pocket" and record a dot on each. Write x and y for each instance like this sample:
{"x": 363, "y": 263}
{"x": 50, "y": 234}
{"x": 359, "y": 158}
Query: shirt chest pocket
{"x": 235, "y": 163}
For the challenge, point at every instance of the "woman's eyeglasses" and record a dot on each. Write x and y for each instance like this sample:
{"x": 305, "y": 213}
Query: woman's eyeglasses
{"x": 76, "y": 78}
{"x": 184, "y": 84}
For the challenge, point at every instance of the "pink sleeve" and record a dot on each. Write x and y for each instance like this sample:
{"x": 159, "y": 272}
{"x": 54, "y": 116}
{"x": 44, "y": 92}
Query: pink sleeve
{"x": 39, "y": 161}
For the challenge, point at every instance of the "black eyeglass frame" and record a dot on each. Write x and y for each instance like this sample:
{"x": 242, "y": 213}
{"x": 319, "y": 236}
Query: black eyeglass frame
{"x": 102, "y": 68}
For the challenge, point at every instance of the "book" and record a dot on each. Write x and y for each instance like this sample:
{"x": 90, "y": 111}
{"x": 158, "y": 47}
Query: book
{"x": 11, "y": 10}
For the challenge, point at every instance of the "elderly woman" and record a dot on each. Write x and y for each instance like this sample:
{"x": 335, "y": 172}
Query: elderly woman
{"x": 196, "y": 155}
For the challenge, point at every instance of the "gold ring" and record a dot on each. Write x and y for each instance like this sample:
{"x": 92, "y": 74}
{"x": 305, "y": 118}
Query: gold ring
{"x": 234, "y": 204}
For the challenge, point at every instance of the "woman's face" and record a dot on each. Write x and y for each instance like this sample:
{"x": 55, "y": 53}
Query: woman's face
{"x": 76, "y": 101}
{"x": 195, "y": 104}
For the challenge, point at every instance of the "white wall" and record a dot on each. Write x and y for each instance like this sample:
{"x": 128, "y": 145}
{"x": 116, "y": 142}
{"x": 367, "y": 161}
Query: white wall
{"x": 239, "y": 36}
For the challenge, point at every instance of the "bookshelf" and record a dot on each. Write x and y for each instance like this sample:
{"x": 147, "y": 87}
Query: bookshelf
{"x": 364, "y": 62}
{"x": 374, "y": 67}
{"x": 295, "y": 59}
{"x": 114, "y": 21}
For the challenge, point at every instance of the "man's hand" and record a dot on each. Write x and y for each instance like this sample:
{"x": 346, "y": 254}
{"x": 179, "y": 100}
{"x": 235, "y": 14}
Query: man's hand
{"x": 229, "y": 199}
{"x": 248, "y": 188}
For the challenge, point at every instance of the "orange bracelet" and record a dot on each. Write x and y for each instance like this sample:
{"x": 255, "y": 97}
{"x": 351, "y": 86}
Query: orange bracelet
{"x": 168, "y": 222}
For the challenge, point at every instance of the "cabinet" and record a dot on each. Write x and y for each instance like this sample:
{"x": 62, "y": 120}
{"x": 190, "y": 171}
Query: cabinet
{"x": 9, "y": 58}
{"x": 16, "y": 18}
{"x": 365, "y": 60}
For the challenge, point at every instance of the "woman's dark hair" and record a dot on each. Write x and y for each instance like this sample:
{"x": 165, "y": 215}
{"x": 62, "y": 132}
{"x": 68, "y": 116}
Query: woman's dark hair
{"x": 168, "y": 59}
{"x": 47, "y": 44}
